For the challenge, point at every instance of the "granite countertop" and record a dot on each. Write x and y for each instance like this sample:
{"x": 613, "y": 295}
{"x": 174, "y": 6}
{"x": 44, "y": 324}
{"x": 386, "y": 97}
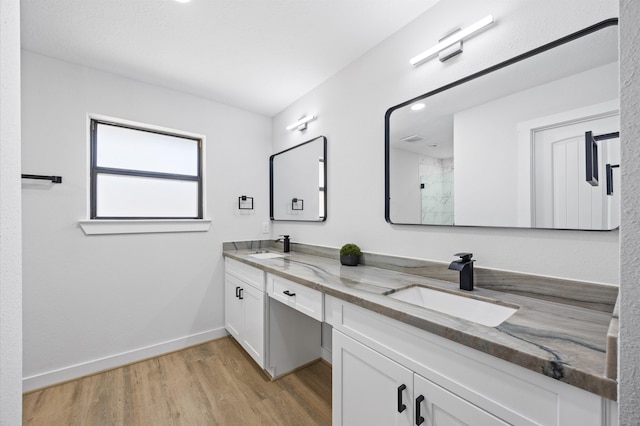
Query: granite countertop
{"x": 565, "y": 342}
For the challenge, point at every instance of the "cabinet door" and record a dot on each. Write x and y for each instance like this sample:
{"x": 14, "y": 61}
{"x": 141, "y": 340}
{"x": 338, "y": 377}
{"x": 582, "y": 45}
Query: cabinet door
{"x": 232, "y": 306}
{"x": 252, "y": 338}
{"x": 368, "y": 388}
{"x": 435, "y": 406}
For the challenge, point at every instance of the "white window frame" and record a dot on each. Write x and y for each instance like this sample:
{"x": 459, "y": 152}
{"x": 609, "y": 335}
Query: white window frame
{"x": 96, "y": 226}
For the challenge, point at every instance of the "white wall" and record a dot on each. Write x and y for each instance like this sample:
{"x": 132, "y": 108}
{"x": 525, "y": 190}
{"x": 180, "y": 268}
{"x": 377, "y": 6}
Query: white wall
{"x": 351, "y": 107}
{"x": 10, "y": 228}
{"x": 92, "y": 302}
{"x": 629, "y": 350}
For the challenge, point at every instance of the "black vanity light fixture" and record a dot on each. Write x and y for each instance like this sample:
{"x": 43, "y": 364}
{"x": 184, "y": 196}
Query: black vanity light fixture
{"x": 301, "y": 124}
{"x": 451, "y": 44}
{"x": 297, "y": 204}
{"x": 245, "y": 202}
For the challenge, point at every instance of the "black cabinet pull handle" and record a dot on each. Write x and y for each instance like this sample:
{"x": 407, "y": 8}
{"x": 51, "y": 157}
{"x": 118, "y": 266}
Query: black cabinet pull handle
{"x": 237, "y": 294}
{"x": 240, "y": 294}
{"x": 419, "y": 418}
{"x": 288, "y": 293}
{"x": 401, "y": 406}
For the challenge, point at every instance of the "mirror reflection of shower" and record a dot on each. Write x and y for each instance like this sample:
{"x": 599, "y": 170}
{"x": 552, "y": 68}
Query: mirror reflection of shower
{"x": 436, "y": 184}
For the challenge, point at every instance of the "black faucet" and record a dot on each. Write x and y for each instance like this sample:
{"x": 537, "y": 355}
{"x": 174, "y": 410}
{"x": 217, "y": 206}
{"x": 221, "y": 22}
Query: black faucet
{"x": 286, "y": 241}
{"x": 465, "y": 266}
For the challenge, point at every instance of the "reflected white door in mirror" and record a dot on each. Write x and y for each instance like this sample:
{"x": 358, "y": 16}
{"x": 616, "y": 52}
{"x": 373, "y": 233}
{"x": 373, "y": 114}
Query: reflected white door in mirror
{"x": 562, "y": 199}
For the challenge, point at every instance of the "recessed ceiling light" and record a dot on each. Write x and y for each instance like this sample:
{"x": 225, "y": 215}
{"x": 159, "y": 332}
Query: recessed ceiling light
{"x": 183, "y": 1}
{"x": 417, "y": 107}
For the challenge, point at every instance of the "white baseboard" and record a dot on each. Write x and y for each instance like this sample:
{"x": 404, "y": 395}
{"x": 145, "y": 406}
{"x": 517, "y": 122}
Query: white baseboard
{"x": 113, "y": 361}
{"x": 325, "y": 354}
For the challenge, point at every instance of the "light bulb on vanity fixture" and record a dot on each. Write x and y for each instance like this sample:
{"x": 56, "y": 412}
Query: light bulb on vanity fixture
{"x": 301, "y": 124}
{"x": 449, "y": 40}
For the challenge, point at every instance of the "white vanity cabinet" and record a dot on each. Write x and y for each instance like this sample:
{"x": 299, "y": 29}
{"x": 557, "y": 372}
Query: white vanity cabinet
{"x": 372, "y": 388}
{"x": 245, "y": 307}
{"x": 436, "y": 406}
{"x": 281, "y": 332}
{"x": 380, "y": 364}
{"x": 377, "y": 390}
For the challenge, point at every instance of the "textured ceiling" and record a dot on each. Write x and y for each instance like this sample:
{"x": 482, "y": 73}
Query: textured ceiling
{"x": 259, "y": 55}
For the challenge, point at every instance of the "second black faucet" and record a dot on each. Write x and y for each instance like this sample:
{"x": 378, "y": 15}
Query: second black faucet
{"x": 465, "y": 266}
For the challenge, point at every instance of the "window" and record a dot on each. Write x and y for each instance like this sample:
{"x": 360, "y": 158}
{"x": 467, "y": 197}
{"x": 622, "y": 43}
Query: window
{"x": 141, "y": 173}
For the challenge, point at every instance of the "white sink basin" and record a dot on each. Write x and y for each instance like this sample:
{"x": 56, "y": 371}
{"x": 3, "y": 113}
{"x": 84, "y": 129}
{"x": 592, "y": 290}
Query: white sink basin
{"x": 467, "y": 308}
{"x": 266, "y": 255}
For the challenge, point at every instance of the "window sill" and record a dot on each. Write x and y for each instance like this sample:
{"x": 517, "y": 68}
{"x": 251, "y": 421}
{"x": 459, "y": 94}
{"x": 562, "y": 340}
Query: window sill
{"x": 143, "y": 226}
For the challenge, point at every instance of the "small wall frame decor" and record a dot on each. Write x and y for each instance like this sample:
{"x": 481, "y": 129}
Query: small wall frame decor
{"x": 245, "y": 202}
{"x": 297, "y": 204}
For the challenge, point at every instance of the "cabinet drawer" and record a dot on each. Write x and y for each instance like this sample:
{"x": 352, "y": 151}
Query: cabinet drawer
{"x": 304, "y": 299}
{"x": 246, "y": 273}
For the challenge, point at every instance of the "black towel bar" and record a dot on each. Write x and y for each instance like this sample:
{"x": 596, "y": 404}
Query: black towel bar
{"x": 53, "y": 179}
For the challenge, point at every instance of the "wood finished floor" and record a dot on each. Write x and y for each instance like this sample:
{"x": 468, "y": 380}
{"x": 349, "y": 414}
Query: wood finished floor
{"x": 215, "y": 383}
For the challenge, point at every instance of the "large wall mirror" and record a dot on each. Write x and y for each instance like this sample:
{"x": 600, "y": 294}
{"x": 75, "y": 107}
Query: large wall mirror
{"x": 298, "y": 176}
{"x": 532, "y": 142}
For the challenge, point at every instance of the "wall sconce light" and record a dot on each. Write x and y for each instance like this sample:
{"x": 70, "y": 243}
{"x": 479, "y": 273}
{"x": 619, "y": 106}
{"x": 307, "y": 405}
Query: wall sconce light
{"x": 451, "y": 39}
{"x": 297, "y": 204}
{"x": 301, "y": 124}
{"x": 245, "y": 203}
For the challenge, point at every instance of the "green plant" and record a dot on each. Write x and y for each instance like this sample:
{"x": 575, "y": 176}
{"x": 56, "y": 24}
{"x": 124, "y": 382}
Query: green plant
{"x": 350, "y": 250}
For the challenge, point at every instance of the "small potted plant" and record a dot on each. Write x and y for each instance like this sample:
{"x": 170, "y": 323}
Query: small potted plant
{"x": 350, "y": 254}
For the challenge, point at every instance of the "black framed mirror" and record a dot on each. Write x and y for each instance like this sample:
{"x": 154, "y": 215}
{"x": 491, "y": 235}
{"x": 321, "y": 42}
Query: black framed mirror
{"x": 507, "y": 146}
{"x": 298, "y": 182}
